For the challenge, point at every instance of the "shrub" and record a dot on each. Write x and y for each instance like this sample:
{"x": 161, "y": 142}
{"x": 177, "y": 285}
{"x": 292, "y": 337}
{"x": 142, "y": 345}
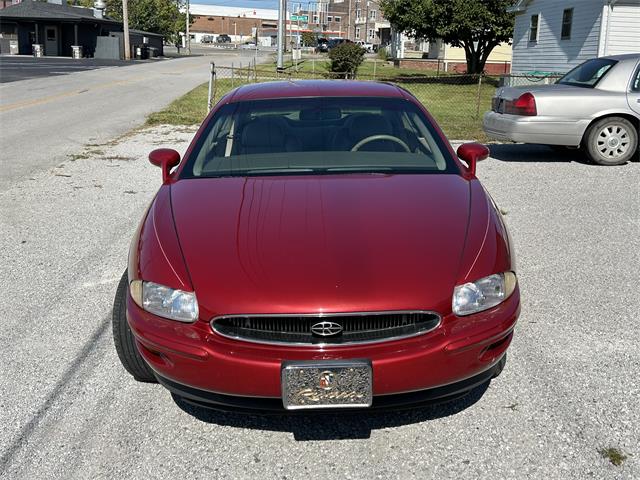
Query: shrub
{"x": 346, "y": 58}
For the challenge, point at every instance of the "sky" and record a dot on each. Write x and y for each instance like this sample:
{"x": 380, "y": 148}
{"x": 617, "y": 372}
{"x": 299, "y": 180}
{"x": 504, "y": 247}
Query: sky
{"x": 241, "y": 3}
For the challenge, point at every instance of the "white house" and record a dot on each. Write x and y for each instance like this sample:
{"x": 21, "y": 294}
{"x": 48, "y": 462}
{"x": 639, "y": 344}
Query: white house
{"x": 557, "y": 35}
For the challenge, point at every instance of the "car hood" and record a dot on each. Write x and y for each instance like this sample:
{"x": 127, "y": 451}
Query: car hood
{"x": 307, "y": 244}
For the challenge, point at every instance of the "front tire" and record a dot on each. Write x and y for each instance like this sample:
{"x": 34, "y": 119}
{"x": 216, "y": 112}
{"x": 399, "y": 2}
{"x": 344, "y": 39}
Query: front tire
{"x": 123, "y": 338}
{"x": 611, "y": 141}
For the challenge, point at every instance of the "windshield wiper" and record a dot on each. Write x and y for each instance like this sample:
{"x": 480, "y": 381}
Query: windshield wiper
{"x": 359, "y": 169}
{"x": 271, "y": 171}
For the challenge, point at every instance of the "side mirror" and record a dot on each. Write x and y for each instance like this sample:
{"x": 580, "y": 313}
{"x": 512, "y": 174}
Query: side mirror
{"x": 472, "y": 153}
{"x": 166, "y": 159}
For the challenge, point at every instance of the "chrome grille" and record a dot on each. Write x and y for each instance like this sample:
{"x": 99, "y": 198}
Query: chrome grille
{"x": 368, "y": 327}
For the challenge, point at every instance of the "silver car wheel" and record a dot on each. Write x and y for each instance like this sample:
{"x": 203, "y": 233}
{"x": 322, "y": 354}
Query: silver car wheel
{"x": 612, "y": 141}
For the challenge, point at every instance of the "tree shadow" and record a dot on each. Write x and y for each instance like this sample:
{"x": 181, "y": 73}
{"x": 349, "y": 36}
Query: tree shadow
{"x": 525, "y": 152}
{"x": 341, "y": 425}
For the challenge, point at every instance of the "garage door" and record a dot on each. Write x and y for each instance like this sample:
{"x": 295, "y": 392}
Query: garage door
{"x": 624, "y": 28}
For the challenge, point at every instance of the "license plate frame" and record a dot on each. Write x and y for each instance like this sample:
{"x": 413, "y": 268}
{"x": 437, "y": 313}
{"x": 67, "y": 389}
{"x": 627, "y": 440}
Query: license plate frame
{"x": 322, "y": 384}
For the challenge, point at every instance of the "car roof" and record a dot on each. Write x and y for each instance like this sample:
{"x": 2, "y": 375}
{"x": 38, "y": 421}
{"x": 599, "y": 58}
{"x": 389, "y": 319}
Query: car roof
{"x": 314, "y": 88}
{"x": 625, "y": 56}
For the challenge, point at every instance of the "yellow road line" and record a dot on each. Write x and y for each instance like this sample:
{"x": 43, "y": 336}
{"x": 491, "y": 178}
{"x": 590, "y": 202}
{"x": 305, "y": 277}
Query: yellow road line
{"x": 52, "y": 98}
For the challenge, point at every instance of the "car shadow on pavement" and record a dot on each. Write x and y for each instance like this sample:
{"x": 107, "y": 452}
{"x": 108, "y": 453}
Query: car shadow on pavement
{"x": 331, "y": 425}
{"x": 518, "y": 152}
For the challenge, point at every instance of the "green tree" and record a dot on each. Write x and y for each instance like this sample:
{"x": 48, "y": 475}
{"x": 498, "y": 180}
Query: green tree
{"x": 476, "y": 26}
{"x": 346, "y": 58}
{"x": 156, "y": 16}
{"x": 309, "y": 39}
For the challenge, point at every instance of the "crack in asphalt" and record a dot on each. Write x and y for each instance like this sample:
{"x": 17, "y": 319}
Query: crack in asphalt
{"x": 30, "y": 428}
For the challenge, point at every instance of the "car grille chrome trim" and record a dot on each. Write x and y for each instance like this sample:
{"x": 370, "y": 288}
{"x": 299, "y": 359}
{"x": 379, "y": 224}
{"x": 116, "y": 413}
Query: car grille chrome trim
{"x": 358, "y": 328}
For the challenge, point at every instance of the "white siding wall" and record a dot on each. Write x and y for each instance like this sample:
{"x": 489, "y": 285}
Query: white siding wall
{"x": 624, "y": 29}
{"x": 550, "y": 53}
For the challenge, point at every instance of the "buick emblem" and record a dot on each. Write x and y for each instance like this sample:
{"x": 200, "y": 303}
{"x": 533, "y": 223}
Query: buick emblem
{"x": 326, "y": 329}
{"x": 327, "y": 379}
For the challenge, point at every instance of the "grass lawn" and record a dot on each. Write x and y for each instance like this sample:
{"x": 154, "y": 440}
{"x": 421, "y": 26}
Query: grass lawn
{"x": 454, "y": 106}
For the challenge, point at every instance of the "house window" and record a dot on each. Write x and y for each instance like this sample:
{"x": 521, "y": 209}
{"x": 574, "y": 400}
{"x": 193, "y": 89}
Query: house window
{"x": 373, "y": 14}
{"x": 337, "y": 19}
{"x": 329, "y": 18}
{"x": 357, "y": 32}
{"x": 372, "y": 33}
{"x": 533, "y": 28}
{"x": 358, "y": 13}
{"x": 567, "y": 18}
{"x": 315, "y": 19}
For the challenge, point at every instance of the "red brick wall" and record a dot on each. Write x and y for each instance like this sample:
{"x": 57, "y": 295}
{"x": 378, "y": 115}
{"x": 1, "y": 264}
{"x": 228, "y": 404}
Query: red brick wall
{"x": 491, "y": 68}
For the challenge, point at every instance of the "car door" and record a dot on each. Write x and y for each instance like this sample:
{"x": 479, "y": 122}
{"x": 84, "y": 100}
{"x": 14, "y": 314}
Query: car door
{"x": 633, "y": 95}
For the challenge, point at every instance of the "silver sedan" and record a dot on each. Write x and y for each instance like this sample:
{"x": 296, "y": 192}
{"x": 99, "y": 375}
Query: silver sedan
{"x": 595, "y": 106}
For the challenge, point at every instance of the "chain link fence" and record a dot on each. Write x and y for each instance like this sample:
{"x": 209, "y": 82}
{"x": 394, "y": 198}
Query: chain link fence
{"x": 457, "y": 102}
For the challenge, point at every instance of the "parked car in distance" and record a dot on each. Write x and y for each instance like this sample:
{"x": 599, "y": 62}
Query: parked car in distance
{"x": 206, "y": 39}
{"x": 368, "y": 47}
{"x": 323, "y": 45}
{"x": 595, "y": 106}
{"x": 334, "y": 42}
{"x": 320, "y": 246}
{"x": 223, "y": 38}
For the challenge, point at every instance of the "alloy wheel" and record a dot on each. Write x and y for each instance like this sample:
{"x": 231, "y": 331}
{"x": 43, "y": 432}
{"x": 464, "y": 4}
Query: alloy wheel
{"x": 612, "y": 141}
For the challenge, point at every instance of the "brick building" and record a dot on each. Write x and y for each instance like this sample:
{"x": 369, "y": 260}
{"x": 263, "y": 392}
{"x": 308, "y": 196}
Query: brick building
{"x": 241, "y": 24}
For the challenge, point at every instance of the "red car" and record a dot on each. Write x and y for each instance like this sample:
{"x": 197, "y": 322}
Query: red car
{"x": 319, "y": 246}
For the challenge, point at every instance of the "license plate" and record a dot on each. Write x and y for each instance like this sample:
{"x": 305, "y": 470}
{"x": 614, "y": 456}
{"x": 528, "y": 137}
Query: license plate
{"x": 326, "y": 384}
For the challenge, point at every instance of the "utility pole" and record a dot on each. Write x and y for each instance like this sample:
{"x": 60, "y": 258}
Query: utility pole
{"x": 188, "y": 35}
{"x": 366, "y": 24}
{"x": 349, "y": 24}
{"x": 282, "y": 12}
{"x": 125, "y": 27}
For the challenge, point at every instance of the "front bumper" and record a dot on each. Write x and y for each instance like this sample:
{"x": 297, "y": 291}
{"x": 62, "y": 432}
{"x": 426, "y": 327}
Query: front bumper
{"x": 534, "y": 129}
{"x": 218, "y": 401}
{"x": 196, "y": 363}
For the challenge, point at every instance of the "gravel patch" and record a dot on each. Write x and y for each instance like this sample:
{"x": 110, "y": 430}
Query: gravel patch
{"x": 568, "y": 393}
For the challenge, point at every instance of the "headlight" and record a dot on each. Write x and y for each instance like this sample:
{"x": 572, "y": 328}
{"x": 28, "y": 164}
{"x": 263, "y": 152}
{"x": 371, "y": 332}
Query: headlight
{"x": 164, "y": 301}
{"x": 483, "y": 294}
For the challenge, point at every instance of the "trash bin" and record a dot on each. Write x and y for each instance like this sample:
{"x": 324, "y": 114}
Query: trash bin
{"x": 38, "y": 50}
{"x": 13, "y": 47}
{"x": 153, "y": 52}
{"x": 76, "y": 51}
{"x": 141, "y": 52}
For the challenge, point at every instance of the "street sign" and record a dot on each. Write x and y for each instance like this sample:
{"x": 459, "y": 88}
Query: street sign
{"x": 300, "y": 18}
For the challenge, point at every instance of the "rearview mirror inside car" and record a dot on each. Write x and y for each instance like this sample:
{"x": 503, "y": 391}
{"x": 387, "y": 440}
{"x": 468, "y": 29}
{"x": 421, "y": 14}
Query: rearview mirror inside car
{"x": 472, "y": 153}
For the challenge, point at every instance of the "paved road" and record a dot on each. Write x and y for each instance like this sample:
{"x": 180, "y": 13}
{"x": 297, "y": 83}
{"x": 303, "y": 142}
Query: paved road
{"x": 571, "y": 386}
{"x": 16, "y": 68}
{"x": 44, "y": 120}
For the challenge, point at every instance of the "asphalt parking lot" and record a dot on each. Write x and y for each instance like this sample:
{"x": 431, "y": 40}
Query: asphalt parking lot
{"x": 569, "y": 391}
{"x": 14, "y": 68}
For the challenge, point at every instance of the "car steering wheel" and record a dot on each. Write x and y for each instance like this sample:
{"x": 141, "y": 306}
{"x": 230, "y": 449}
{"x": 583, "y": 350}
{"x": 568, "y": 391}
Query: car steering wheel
{"x": 373, "y": 138}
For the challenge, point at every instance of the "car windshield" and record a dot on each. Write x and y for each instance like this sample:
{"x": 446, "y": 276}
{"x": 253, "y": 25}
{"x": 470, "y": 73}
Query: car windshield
{"x": 306, "y": 136}
{"x": 588, "y": 74}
